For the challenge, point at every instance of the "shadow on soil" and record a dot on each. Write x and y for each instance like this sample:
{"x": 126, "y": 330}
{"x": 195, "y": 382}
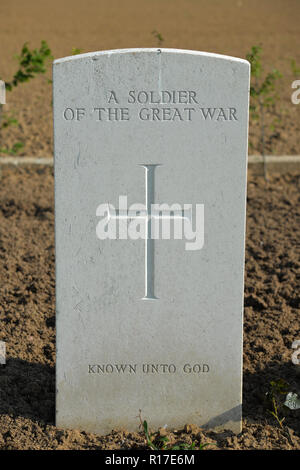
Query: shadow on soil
{"x": 28, "y": 390}
{"x": 255, "y": 386}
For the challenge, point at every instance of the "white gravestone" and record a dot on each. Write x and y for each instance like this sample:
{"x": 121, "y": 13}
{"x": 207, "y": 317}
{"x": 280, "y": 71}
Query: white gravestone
{"x": 150, "y": 189}
{"x": 2, "y": 92}
{"x": 2, "y": 352}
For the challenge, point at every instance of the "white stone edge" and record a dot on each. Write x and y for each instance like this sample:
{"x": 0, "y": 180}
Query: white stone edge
{"x": 253, "y": 160}
{"x": 26, "y": 161}
{"x": 151, "y": 49}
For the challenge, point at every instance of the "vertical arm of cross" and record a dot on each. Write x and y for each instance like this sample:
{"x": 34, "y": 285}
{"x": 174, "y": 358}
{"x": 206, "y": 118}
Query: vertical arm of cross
{"x": 148, "y": 215}
{"x": 149, "y": 242}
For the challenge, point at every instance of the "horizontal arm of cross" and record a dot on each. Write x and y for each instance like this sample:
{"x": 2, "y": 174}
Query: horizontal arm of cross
{"x": 156, "y": 214}
{"x": 124, "y": 214}
{"x": 176, "y": 214}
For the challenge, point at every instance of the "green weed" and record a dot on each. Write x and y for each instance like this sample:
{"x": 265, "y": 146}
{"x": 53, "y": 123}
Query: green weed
{"x": 156, "y": 442}
{"x": 14, "y": 150}
{"x": 263, "y": 95}
{"x": 275, "y": 399}
{"x": 30, "y": 64}
{"x": 158, "y": 36}
{"x": 295, "y": 69}
{"x": 76, "y": 51}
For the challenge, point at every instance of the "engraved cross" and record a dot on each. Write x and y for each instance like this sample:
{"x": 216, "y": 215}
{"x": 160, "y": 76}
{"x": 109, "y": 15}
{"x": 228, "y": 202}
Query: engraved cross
{"x": 148, "y": 215}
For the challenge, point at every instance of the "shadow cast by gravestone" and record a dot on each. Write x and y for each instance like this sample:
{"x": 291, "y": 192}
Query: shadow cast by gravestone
{"x": 27, "y": 390}
{"x": 233, "y": 415}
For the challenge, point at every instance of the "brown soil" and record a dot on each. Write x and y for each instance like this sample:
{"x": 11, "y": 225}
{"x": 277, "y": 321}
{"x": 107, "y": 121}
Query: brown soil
{"x": 27, "y": 318}
{"x": 227, "y": 27}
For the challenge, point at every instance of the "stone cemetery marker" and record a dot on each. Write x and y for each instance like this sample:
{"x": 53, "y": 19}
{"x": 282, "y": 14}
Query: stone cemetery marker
{"x": 2, "y": 92}
{"x": 150, "y": 187}
{"x": 2, "y": 352}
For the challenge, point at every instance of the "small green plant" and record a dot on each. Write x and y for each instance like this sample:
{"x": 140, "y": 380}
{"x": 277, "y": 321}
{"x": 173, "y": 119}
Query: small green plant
{"x": 158, "y": 36}
{"x": 263, "y": 94}
{"x": 9, "y": 120}
{"x": 155, "y": 444}
{"x": 160, "y": 442}
{"x": 295, "y": 69}
{"x": 31, "y": 63}
{"x": 14, "y": 150}
{"x": 275, "y": 397}
{"x": 76, "y": 51}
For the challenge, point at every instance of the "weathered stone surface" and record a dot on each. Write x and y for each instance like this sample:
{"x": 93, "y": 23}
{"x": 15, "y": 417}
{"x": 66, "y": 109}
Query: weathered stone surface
{"x": 154, "y": 325}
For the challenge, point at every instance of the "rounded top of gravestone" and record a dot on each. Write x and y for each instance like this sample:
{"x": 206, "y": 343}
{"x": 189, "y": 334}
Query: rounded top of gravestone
{"x": 97, "y": 54}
